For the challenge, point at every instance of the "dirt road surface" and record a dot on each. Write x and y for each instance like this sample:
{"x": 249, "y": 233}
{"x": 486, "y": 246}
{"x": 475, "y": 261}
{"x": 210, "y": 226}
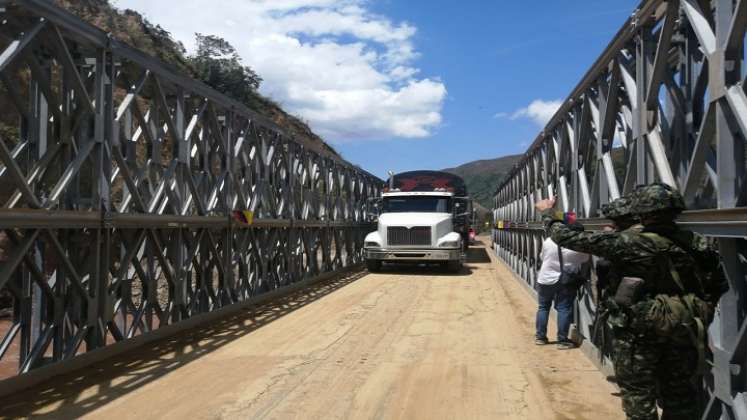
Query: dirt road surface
{"x": 402, "y": 344}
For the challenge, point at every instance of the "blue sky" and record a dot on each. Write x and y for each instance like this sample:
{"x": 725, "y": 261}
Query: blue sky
{"x": 494, "y": 57}
{"x": 409, "y": 84}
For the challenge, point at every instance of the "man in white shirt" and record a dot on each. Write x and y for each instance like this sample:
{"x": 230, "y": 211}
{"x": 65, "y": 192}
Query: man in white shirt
{"x": 549, "y": 290}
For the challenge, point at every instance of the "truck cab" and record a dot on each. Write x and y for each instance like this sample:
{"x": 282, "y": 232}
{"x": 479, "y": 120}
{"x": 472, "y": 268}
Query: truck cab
{"x": 419, "y": 223}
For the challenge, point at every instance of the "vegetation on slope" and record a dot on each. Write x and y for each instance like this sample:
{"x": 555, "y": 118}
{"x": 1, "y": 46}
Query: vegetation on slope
{"x": 484, "y": 176}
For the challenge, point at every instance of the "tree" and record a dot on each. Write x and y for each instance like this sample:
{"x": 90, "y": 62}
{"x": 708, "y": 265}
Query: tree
{"x": 217, "y": 64}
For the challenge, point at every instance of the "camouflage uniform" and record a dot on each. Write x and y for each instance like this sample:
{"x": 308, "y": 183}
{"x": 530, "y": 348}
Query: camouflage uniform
{"x": 619, "y": 211}
{"x": 651, "y": 367}
{"x": 607, "y": 313}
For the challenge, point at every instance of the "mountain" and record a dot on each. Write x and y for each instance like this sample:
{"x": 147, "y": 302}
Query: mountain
{"x": 131, "y": 27}
{"x": 483, "y": 176}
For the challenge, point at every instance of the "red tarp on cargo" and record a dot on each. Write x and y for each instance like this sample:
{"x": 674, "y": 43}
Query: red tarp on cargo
{"x": 430, "y": 181}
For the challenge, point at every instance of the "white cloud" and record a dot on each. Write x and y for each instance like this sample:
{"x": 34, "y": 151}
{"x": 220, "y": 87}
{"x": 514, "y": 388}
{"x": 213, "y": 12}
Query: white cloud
{"x": 349, "y": 72}
{"x": 539, "y": 111}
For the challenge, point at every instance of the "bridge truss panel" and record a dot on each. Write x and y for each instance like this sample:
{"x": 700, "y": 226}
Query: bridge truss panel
{"x": 119, "y": 179}
{"x": 665, "y": 102}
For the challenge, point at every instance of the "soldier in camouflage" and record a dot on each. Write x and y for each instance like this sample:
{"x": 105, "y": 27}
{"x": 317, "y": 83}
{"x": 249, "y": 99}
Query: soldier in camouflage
{"x": 659, "y": 335}
{"x": 619, "y": 212}
{"x": 607, "y": 314}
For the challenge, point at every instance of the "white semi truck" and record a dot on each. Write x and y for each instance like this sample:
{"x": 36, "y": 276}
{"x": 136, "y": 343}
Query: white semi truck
{"x": 422, "y": 217}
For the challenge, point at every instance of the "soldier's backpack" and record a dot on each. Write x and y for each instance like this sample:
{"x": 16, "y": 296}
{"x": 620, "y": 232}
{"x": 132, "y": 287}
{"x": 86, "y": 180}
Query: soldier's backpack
{"x": 683, "y": 318}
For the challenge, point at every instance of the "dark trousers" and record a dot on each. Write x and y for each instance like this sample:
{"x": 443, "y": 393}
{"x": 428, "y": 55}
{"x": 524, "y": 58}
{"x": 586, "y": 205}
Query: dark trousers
{"x": 563, "y": 298}
{"x": 653, "y": 369}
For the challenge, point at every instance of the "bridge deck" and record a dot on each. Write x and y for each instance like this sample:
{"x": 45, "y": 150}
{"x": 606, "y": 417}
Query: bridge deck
{"x": 400, "y": 344}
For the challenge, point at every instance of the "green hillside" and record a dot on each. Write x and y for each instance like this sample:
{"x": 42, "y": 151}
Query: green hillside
{"x": 483, "y": 176}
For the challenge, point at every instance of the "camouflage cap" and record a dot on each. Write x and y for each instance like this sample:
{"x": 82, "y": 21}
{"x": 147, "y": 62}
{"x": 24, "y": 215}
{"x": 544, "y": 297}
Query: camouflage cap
{"x": 656, "y": 197}
{"x": 618, "y": 208}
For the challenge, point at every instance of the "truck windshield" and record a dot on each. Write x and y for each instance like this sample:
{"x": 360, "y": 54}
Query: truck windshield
{"x": 420, "y": 204}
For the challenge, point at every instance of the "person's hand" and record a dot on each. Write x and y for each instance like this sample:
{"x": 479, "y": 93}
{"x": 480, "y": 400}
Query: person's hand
{"x": 545, "y": 204}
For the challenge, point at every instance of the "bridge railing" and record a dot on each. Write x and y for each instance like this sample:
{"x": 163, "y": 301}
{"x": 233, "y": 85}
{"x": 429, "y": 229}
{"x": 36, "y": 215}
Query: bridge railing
{"x": 119, "y": 179}
{"x": 664, "y": 102}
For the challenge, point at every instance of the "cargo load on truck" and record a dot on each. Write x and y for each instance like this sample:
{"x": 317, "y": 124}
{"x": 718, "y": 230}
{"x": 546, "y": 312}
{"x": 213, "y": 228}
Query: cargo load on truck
{"x": 429, "y": 181}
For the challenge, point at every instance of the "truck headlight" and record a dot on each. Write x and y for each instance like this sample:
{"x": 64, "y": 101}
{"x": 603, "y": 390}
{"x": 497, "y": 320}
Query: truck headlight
{"x": 450, "y": 244}
{"x": 371, "y": 245}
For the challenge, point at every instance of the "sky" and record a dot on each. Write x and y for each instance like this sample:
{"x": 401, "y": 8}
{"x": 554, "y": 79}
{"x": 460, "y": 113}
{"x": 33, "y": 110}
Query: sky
{"x": 409, "y": 84}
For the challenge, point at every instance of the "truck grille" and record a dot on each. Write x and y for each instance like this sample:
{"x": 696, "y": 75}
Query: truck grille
{"x": 418, "y": 235}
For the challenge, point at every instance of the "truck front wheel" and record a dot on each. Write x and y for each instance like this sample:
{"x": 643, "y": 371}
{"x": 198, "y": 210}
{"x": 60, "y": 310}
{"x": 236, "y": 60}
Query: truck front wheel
{"x": 373, "y": 266}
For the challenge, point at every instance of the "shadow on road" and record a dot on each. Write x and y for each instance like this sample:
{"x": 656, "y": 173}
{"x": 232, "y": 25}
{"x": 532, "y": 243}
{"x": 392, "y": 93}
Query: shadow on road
{"x": 405, "y": 269}
{"x": 79, "y": 393}
{"x": 478, "y": 255}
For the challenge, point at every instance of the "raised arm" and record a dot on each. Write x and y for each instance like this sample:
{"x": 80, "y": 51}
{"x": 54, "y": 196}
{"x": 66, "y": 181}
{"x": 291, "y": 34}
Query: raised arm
{"x": 614, "y": 246}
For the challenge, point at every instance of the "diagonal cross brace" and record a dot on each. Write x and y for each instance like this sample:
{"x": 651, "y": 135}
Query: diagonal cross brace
{"x": 17, "y": 46}
{"x": 15, "y": 173}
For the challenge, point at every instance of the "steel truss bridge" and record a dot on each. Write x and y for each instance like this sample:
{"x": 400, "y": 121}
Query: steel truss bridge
{"x": 664, "y": 102}
{"x": 120, "y": 178}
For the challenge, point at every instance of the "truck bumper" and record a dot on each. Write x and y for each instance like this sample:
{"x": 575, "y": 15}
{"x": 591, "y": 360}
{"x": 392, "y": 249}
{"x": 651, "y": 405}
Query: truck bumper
{"x": 431, "y": 254}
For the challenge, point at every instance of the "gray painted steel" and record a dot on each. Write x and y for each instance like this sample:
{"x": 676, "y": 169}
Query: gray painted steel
{"x": 664, "y": 102}
{"x": 119, "y": 178}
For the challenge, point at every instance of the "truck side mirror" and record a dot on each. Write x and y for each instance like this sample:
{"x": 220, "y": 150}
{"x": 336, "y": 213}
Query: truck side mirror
{"x": 461, "y": 208}
{"x": 373, "y": 208}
